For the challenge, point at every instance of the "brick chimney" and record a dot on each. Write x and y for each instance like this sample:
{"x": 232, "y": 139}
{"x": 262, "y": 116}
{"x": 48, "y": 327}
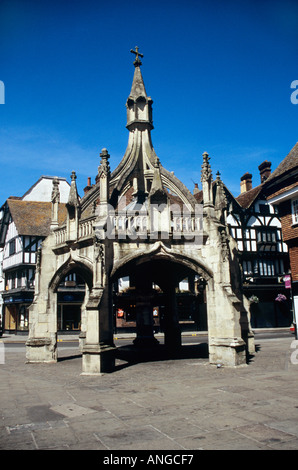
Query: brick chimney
{"x": 245, "y": 182}
{"x": 265, "y": 170}
{"x": 89, "y": 186}
{"x": 196, "y": 188}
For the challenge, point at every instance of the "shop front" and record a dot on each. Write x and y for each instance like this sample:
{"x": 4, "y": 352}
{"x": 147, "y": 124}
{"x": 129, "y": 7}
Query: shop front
{"x": 16, "y": 312}
{"x": 69, "y": 311}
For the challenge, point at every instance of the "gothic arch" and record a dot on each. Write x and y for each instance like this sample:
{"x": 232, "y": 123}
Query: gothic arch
{"x": 80, "y": 266}
{"x": 160, "y": 252}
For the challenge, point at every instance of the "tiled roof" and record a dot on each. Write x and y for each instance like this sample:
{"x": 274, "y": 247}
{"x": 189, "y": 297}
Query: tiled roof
{"x": 34, "y": 218}
{"x": 282, "y": 190}
{"x": 246, "y": 199}
{"x": 288, "y": 163}
{"x": 199, "y": 194}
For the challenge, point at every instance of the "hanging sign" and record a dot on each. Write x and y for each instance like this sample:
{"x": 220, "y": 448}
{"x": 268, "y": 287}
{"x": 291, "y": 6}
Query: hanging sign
{"x": 287, "y": 280}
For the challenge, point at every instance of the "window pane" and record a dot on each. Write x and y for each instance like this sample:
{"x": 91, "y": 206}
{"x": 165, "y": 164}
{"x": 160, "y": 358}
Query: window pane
{"x": 268, "y": 268}
{"x": 244, "y": 267}
{"x": 295, "y": 211}
{"x": 12, "y": 247}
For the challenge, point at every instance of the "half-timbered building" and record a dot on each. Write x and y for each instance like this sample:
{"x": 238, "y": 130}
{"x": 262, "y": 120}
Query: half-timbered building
{"x": 282, "y": 193}
{"x": 24, "y": 224}
{"x": 256, "y": 227}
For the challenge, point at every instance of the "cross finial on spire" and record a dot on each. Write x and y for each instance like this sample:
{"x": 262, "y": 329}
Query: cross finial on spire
{"x": 137, "y": 62}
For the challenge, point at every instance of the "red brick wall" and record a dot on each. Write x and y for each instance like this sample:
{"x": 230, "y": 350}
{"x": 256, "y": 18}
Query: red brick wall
{"x": 293, "y": 252}
{"x": 289, "y": 231}
{"x": 290, "y": 236}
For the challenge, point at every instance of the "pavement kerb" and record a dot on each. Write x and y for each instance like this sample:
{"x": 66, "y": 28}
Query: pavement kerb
{"x": 22, "y": 338}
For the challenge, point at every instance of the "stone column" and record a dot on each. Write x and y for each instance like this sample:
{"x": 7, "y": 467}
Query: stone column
{"x": 226, "y": 346}
{"x": 144, "y": 309}
{"x": 41, "y": 345}
{"x": 98, "y": 349}
{"x": 171, "y": 325}
{"x": 82, "y": 335}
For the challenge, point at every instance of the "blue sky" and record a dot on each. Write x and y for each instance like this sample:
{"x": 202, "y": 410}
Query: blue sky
{"x": 219, "y": 74}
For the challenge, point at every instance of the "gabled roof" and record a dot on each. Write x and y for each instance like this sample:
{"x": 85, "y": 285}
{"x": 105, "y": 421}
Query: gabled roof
{"x": 34, "y": 218}
{"x": 290, "y": 162}
{"x": 199, "y": 194}
{"x": 41, "y": 190}
{"x": 246, "y": 199}
{"x": 287, "y": 164}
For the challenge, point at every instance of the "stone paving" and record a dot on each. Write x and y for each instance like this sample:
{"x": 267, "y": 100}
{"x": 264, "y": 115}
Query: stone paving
{"x": 158, "y": 404}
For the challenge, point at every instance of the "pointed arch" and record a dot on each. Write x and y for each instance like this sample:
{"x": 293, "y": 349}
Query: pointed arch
{"x": 81, "y": 266}
{"x": 160, "y": 252}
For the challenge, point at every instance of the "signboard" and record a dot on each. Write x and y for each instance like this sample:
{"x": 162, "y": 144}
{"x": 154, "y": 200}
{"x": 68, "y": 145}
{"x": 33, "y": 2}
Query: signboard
{"x": 287, "y": 280}
{"x": 120, "y": 313}
{"x": 9, "y": 300}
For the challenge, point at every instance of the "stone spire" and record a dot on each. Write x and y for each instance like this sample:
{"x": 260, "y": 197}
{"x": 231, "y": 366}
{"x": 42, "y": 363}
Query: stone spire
{"x": 157, "y": 191}
{"x": 73, "y": 210}
{"x": 206, "y": 178}
{"x": 55, "y": 199}
{"x": 139, "y": 105}
{"x": 220, "y": 203}
{"x": 73, "y": 198}
{"x": 206, "y": 168}
{"x": 104, "y": 176}
{"x": 104, "y": 167}
{"x": 139, "y": 166}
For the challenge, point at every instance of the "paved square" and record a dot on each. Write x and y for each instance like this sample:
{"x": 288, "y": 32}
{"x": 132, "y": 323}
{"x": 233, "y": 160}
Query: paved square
{"x": 175, "y": 405}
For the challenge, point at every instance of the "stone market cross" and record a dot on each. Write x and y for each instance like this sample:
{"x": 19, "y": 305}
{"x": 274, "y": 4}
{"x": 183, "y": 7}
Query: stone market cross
{"x": 141, "y": 221}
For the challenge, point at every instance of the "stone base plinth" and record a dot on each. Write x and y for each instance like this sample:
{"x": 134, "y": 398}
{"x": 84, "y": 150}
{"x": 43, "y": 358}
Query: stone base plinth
{"x": 227, "y": 351}
{"x": 41, "y": 350}
{"x": 98, "y": 359}
{"x": 82, "y": 340}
